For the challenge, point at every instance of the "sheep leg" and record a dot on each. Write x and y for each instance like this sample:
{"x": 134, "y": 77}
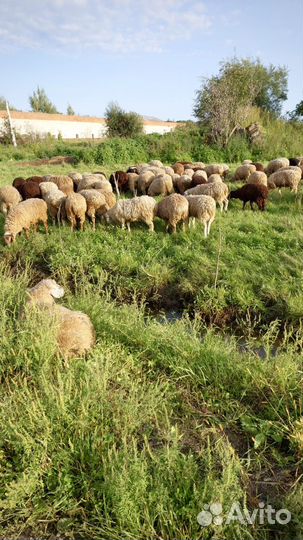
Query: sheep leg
{"x": 221, "y": 206}
{"x": 209, "y": 225}
{"x": 128, "y": 226}
{"x": 45, "y": 223}
{"x": 244, "y": 204}
{"x": 26, "y": 233}
{"x": 226, "y": 205}
{"x": 205, "y": 229}
{"x": 251, "y": 205}
{"x": 151, "y": 227}
{"x": 81, "y": 224}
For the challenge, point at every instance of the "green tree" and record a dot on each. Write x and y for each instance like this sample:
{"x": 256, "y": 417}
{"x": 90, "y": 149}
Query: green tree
{"x": 297, "y": 113}
{"x": 3, "y": 104}
{"x": 39, "y": 102}
{"x": 70, "y": 111}
{"x": 121, "y": 123}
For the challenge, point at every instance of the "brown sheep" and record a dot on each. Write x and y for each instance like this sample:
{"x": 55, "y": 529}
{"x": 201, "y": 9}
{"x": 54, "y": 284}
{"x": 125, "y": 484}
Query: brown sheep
{"x": 173, "y": 209}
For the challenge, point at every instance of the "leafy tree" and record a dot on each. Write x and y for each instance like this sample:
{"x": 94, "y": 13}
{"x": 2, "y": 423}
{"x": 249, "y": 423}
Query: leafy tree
{"x": 39, "y": 102}
{"x": 70, "y": 111}
{"x": 297, "y": 114}
{"x": 121, "y": 123}
{"x": 3, "y": 104}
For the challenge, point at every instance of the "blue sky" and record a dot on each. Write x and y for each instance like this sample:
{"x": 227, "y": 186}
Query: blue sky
{"x": 148, "y": 55}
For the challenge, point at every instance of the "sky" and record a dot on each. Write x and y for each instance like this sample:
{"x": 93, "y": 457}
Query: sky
{"x": 150, "y": 56}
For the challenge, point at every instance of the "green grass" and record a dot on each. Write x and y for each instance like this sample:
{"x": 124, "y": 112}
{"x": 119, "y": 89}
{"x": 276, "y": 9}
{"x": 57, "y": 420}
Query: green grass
{"x": 162, "y": 417}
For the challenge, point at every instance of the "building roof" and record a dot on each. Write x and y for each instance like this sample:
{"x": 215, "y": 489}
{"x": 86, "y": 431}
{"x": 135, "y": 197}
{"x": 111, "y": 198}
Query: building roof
{"x": 20, "y": 115}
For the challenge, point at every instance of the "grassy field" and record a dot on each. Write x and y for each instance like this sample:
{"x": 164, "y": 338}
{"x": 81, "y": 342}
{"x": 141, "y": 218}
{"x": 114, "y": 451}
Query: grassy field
{"x": 192, "y": 396}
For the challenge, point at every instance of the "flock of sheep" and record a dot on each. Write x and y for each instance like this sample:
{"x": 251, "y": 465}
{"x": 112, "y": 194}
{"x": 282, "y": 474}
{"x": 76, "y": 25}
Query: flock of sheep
{"x": 190, "y": 191}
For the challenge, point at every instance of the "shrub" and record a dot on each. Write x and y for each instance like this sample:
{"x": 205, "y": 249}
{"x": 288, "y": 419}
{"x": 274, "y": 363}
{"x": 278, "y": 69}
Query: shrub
{"x": 121, "y": 123}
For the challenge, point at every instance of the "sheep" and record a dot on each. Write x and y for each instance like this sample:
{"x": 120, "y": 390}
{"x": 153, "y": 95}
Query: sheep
{"x": 216, "y": 190}
{"x": 276, "y": 164}
{"x": 161, "y": 185}
{"x": 243, "y": 172}
{"x": 144, "y": 181}
{"x": 55, "y": 201}
{"x": 198, "y": 165}
{"x": 259, "y": 166}
{"x": 285, "y": 178}
{"x": 225, "y": 170}
{"x": 173, "y": 209}
{"x": 93, "y": 182}
{"x": 110, "y": 199}
{"x": 169, "y": 170}
{"x": 75, "y": 207}
{"x": 189, "y": 171}
{"x": 200, "y": 177}
{"x": 133, "y": 182}
{"x": 257, "y": 177}
{"x": 19, "y": 181}
{"x": 95, "y": 201}
{"x": 178, "y": 168}
{"x": 76, "y": 177}
{"x": 22, "y": 216}
{"x": 30, "y": 190}
{"x": 215, "y": 168}
{"x": 37, "y": 179}
{"x": 156, "y": 163}
{"x": 294, "y": 161}
{"x": 119, "y": 179}
{"x": 133, "y": 169}
{"x": 127, "y": 211}
{"x": 295, "y": 168}
{"x": 75, "y": 331}
{"x": 214, "y": 178}
{"x": 252, "y": 193}
{"x": 175, "y": 178}
{"x": 48, "y": 187}
{"x": 9, "y": 197}
{"x": 202, "y": 208}
{"x": 183, "y": 183}
{"x": 64, "y": 183}
{"x": 246, "y": 162}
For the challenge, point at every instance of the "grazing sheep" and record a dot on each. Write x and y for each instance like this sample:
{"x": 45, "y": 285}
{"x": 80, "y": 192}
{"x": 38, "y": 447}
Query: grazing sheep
{"x": 178, "y": 168}
{"x": 30, "y": 190}
{"x": 161, "y": 185}
{"x": 276, "y": 164}
{"x": 188, "y": 171}
{"x": 75, "y": 207}
{"x": 198, "y": 165}
{"x": 169, "y": 170}
{"x": 202, "y": 208}
{"x": 252, "y": 193}
{"x": 156, "y": 163}
{"x": 9, "y": 197}
{"x": 133, "y": 169}
{"x": 214, "y": 178}
{"x": 200, "y": 177}
{"x": 55, "y": 201}
{"x": 285, "y": 178}
{"x": 183, "y": 183}
{"x": 37, "y": 179}
{"x": 144, "y": 181}
{"x": 64, "y": 183}
{"x": 75, "y": 333}
{"x": 295, "y": 168}
{"x": 127, "y": 211}
{"x": 121, "y": 178}
{"x": 94, "y": 182}
{"x": 246, "y": 162}
{"x": 243, "y": 172}
{"x": 19, "y": 181}
{"x": 22, "y": 216}
{"x": 133, "y": 183}
{"x": 216, "y": 190}
{"x": 95, "y": 201}
{"x": 175, "y": 178}
{"x": 259, "y": 166}
{"x": 294, "y": 161}
{"x": 173, "y": 209}
{"x": 257, "y": 177}
{"x": 110, "y": 199}
{"x": 76, "y": 177}
{"x": 48, "y": 187}
{"x": 215, "y": 168}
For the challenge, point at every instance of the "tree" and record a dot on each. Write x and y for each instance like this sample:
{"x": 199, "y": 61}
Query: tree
{"x": 39, "y": 102}
{"x": 3, "y": 104}
{"x": 224, "y": 102}
{"x": 297, "y": 113}
{"x": 70, "y": 111}
{"x": 121, "y": 123}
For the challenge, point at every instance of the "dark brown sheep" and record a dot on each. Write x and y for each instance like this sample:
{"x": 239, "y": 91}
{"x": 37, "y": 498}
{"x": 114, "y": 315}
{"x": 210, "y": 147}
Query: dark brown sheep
{"x": 252, "y": 193}
{"x": 30, "y": 190}
{"x": 36, "y": 179}
{"x": 19, "y": 181}
{"x": 121, "y": 179}
{"x": 294, "y": 162}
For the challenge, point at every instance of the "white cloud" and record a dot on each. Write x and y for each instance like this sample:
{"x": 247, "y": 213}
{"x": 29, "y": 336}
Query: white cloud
{"x": 114, "y": 26}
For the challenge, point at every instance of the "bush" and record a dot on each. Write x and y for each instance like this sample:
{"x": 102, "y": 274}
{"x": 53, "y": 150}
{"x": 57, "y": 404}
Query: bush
{"x": 121, "y": 123}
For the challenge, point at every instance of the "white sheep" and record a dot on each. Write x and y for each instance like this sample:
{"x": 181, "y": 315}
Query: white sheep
{"x": 22, "y": 217}
{"x": 216, "y": 190}
{"x": 161, "y": 185}
{"x": 257, "y": 177}
{"x": 55, "y": 201}
{"x": 75, "y": 207}
{"x": 144, "y": 181}
{"x": 127, "y": 211}
{"x": 285, "y": 178}
{"x": 75, "y": 332}
{"x": 276, "y": 164}
{"x": 64, "y": 183}
{"x": 243, "y": 172}
{"x": 214, "y": 178}
{"x": 173, "y": 210}
{"x": 202, "y": 208}
{"x": 9, "y": 197}
{"x": 95, "y": 203}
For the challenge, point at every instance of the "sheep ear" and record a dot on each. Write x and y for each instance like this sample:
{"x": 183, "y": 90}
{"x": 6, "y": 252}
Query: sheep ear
{"x": 57, "y": 292}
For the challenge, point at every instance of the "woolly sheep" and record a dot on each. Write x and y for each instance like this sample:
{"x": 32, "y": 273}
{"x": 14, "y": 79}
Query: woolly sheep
{"x": 48, "y": 187}
{"x": 22, "y": 216}
{"x": 110, "y": 199}
{"x": 215, "y": 168}
{"x": 246, "y": 162}
{"x": 214, "y": 178}
{"x": 202, "y": 208}
{"x": 161, "y": 185}
{"x": 144, "y": 181}
{"x": 156, "y": 163}
{"x": 257, "y": 177}
{"x": 189, "y": 171}
{"x": 133, "y": 183}
{"x": 198, "y": 165}
{"x": 243, "y": 172}
{"x": 295, "y": 168}
{"x": 183, "y": 183}
{"x": 178, "y": 168}
{"x": 75, "y": 207}
{"x": 30, "y": 190}
{"x": 276, "y": 164}
{"x": 76, "y": 177}
{"x": 55, "y": 201}
{"x": 95, "y": 201}
{"x": 127, "y": 211}
{"x": 19, "y": 181}
{"x": 9, "y": 197}
{"x": 64, "y": 183}
{"x": 217, "y": 190}
{"x": 175, "y": 178}
{"x": 200, "y": 177}
{"x": 169, "y": 170}
{"x": 285, "y": 178}
{"x": 75, "y": 333}
{"x": 252, "y": 193}
{"x": 173, "y": 209}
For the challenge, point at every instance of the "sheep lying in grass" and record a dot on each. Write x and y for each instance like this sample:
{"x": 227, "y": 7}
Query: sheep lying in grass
{"x": 216, "y": 190}
{"x": 75, "y": 333}
{"x": 202, "y": 208}
{"x": 22, "y": 217}
{"x": 173, "y": 210}
{"x": 252, "y": 193}
{"x": 285, "y": 178}
{"x": 75, "y": 207}
{"x": 95, "y": 203}
{"x": 127, "y": 211}
{"x": 9, "y": 197}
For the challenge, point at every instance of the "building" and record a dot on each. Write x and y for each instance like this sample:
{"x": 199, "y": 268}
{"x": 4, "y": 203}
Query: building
{"x": 71, "y": 127}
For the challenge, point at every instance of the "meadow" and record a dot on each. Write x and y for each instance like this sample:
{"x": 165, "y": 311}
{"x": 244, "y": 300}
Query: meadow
{"x": 192, "y": 396}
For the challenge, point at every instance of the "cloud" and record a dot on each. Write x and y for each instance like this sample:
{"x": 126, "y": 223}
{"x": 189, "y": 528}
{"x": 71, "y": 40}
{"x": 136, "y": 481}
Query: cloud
{"x": 119, "y": 26}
